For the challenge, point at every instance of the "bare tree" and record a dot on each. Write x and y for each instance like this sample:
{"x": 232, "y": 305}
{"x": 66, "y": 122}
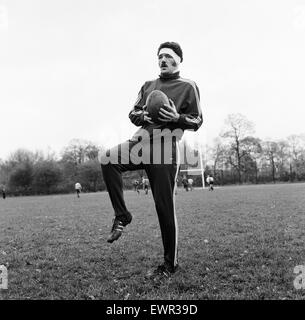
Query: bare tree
{"x": 270, "y": 149}
{"x": 79, "y": 151}
{"x": 237, "y": 127}
{"x": 21, "y": 156}
{"x": 283, "y": 159}
{"x": 217, "y": 154}
{"x": 252, "y": 147}
{"x": 296, "y": 154}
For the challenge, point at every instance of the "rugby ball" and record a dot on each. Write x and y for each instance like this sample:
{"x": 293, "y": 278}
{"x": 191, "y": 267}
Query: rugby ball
{"x": 155, "y": 100}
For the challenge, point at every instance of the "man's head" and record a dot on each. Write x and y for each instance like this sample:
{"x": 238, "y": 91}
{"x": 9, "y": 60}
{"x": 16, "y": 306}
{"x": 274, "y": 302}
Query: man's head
{"x": 170, "y": 56}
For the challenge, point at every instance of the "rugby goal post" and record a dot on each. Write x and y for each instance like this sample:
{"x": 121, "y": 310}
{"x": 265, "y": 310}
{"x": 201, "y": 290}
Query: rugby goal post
{"x": 199, "y": 170}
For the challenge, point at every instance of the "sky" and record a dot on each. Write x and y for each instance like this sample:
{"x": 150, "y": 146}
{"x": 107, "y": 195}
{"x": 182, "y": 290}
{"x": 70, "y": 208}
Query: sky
{"x": 72, "y": 69}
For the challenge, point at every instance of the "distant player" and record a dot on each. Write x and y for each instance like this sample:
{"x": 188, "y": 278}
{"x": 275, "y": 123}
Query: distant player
{"x": 210, "y": 182}
{"x": 185, "y": 183}
{"x": 145, "y": 183}
{"x": 136, "y": 184}
{"x": 78, "y": 189}
{"x": 3, "y": 193}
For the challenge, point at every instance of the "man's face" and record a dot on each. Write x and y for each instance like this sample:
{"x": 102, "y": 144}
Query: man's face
{"x": 167, "y": 63}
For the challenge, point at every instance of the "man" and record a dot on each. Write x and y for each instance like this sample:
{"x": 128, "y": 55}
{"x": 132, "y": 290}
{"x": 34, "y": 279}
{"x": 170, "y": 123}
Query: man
{"x": 210, "y": 182}
{"x": 78, "y": 188}
{"x": 182, "y": 113}
{"x": 185, "y": 183}
{"x": 136, "y": 186}
{"x": 190, "y": 182}
{"x": 145, "y": 183}
{"x": 3, "y": 193}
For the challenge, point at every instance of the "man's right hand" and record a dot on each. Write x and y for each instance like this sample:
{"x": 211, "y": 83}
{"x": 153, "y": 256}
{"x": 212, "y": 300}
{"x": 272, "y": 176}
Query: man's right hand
{"x": 146, "y": 117}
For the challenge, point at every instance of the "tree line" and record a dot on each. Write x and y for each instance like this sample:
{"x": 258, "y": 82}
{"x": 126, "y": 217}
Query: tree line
{"x": 33, "y": 173}
{"x": 236, "y": 156}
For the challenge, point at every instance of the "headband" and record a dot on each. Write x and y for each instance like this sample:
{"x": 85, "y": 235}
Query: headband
{"x": 171, "y": 53}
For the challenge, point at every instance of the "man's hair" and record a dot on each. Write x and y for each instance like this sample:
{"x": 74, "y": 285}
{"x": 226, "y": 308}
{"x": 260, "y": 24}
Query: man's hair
{"x": 172, "y": 45}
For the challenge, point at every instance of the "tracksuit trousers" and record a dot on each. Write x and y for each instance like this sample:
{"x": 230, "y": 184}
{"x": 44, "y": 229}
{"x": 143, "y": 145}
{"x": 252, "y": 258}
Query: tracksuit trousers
{"x": 162, "y": 177}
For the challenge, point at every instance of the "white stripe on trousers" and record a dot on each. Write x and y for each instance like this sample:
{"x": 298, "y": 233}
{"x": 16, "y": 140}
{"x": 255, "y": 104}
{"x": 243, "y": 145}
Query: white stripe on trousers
{"x": 174, "y": 202}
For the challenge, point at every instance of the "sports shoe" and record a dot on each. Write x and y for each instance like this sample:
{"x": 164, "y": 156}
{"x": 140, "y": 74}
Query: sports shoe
{"x": 164, "y": 270}
{"x": 117, "y": 229}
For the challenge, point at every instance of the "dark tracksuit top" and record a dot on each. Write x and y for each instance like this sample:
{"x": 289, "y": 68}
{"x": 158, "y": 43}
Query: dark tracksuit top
{"x": 162, "y": 177}
{"x": 185, "y": 95}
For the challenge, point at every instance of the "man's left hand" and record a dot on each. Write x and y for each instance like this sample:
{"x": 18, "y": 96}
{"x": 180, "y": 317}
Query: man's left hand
{"x": 169, "y": 113}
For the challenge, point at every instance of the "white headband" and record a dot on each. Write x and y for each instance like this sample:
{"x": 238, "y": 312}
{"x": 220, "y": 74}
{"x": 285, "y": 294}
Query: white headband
{"x": 171, "y": 53}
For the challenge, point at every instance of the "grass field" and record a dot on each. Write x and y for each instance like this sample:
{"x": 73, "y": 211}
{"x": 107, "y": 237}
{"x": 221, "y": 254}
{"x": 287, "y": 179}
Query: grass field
{"x": 239, "y": 242}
